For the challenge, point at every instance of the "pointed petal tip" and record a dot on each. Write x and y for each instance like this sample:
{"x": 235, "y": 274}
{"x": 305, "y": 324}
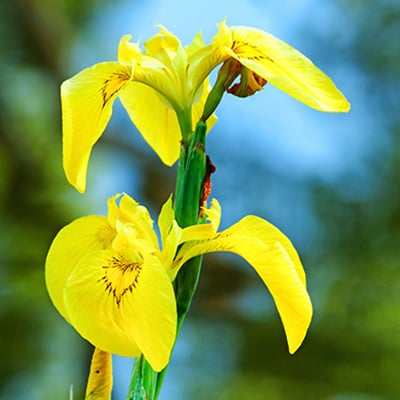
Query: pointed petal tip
{"x": 81, "y": 188}
{"x": 297, "y": 337}
{"x": 346, "y": 107}
{"x": 342, "y": 107}
{"x": 78, "y": 183}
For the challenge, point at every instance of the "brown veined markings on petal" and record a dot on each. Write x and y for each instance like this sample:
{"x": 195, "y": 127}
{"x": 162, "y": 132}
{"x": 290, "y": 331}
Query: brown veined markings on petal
{"x": 249, "y": 51}
{"x": 113, "y": 85}
{"x": 120, "y": 277}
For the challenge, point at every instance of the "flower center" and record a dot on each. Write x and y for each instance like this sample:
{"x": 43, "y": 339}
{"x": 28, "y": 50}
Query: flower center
{"x": 120, "y": 277}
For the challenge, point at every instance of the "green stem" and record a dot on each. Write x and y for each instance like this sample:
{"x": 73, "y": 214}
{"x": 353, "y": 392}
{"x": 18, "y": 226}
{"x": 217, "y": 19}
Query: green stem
{"x": 185, "y": 291}
{"x": 187, "y": 206}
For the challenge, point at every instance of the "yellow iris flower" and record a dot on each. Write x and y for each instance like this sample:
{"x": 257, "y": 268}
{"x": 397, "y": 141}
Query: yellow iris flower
{"x": 159, "y": 86}
{"x": 111, "y": 280}
{"x": 155, "y": 88}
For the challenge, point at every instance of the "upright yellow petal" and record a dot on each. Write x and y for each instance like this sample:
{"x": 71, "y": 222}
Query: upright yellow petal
{"x": 136, "y": 214}
{"x": 99, "y": 384}
{"x": 123, "y": 305}
{"x": 129, "y": 53}
{"x": 275, "y": 260}
{"x": 156, "y": 122}
{"x": 86, "y": 101}
{"x": 170, "y": 247}
{"x": 71, "y": 244}
{"x": 167, "y": 48}
{"x": 165, "y": 219}
{"x": 197, "y": 44}
{"x": 198, "y": 105}
{"x": 203, "y": 61}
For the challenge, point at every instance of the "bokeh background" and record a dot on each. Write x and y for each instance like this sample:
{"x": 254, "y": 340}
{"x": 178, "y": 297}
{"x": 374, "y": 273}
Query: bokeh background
{"x": 329, "y": 181}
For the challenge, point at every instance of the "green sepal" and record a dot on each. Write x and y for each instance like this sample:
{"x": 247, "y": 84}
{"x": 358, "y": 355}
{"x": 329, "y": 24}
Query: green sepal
{"x": 229, "y": 71}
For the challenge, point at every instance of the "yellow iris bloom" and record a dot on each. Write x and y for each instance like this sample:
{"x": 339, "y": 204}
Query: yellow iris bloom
{"x": 110, "y": 279}
{"x": 159, "y": 86}
{"x": 154, "y": 86}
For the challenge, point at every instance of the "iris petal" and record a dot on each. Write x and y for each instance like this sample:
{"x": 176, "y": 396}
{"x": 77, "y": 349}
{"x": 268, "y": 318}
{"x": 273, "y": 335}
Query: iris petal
{"x": 122, "y": 306}
{"x": 275, "y": 260}
{"x": 86, "y": 101}
{"x": 74, "y": 241}
{"x": 157, "y": 123}
{"x": 166, "y": 218}
{"x": 287, "y": 69}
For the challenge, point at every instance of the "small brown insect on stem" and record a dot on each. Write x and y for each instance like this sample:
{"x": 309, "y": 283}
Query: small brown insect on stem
{"x": 206, "y": 189}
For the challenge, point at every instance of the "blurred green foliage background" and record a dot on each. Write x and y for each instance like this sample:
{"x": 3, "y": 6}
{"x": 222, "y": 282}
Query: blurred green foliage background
{"x": 347, "y": 229}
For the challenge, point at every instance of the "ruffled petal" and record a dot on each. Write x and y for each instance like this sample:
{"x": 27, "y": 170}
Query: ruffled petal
{"x": 167, "y": 48}
{"x": 123, "y": 306}
{"x": 129, "y": 53}
{"x": 86, "y": 101}
{"x": 157, "y": 123}
{"x": 277, "y": 263}
{"x": 286, "y": 68}
{"x": 132, "y": 212}
{"x": 72, "y": 243}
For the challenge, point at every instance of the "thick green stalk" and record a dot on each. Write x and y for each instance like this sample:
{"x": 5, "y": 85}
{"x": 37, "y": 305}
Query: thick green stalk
{"x": 188, "y": 194}
{"x": 187, "y": 207}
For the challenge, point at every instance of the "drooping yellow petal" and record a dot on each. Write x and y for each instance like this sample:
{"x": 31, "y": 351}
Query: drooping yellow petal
{"x": 123, "y": 304}
{"x": 99, "y": 384}
{"x": 86, "y": 101}
{"x": 287, "y": 69}
{"x": 275, "y": 61}
{"x": 157, "y": 123}
{"x": 275, "y": 260}
{"x": 71, "y": 244}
